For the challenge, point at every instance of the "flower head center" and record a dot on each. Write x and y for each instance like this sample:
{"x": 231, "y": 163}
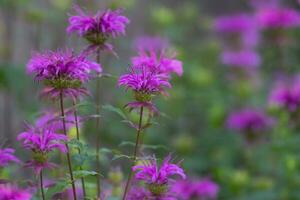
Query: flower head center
{"x": 142, "y": 96}
{"x": 96, "y": 38}
{"x": 63, "y": 83}
{"x": 40, "y": 157}
{"x": 158, "y": 189}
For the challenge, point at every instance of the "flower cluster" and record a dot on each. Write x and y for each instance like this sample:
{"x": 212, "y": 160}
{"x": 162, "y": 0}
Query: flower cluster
{"x": 151, "y": 43}
{"x": 249, "y": 121}
{"x": 278, "y": 18}
{"x": 62, "y": 71}
{"x": 196, "y": 189}
{"x": 42, "y": 141}
{"x": 246, "y": 59}
{"x": 6, "y": 156}
{"x": 240, "y": 36}
{"x": 149, "y": 76}
{"x": 98, "y": 28}
{"x": 50, "y": 119}
{"x": 240, "y": 30}
{"x": 158, "y": 63}
{"x": 138, "y": 193}
{"x": 9, "y": 192}
{"x": 145, "y": 83}
{"x": 158, "y": 178}
{"x": 286, "y": 95}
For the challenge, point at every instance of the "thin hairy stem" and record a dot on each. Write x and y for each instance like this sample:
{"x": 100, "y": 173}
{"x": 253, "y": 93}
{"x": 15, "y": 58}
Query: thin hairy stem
{"x": 79, "y": 152}
{"x": 42, "y": 185}
{"x": 136, "y": 149}
{"x": 67, "y": 146}
{"x": 98, "y": 128}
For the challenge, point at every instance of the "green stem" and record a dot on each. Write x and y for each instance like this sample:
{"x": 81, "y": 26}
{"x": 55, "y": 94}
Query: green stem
{"x": 98, "y": 128}
{"x": 79, "y": 152}
{"x": 136, "y": 149}
{"x": 42, "y": 185}
{"x": 67, "y": 146}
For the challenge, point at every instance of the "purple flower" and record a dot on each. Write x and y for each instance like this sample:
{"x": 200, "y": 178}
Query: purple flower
{"x": 158, "y": 178}
{"x": 278, "y": 18}
{"x": 41, "y": 141}
{"x": 52, "y": 120}
{"x": 98, "y": 28}
{"x": 239, "y": 29}
{"x": 159, "y": 63}
{"x": 196, "y": 189}
{"x": 241, "y": 59}
{"x": 150, "y": 43}
{"x": 138, "y": 193}
{"x": 62, "y": 71}
{"x": 286, "y": 95}
{"x": 145, "y": 83}
{"x": 9, "y": 192}
{"x": 249, "y": 120}
{"x": 6, "y": 156}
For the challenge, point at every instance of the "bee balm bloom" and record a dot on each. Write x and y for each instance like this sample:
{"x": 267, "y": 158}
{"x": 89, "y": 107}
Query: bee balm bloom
{"x": 145, "y": 83}
{"x": 251, "y": 122}
{"x": 9, "y": 192}
{"x": 158, "y": 178}
{"x": 98, "y": 28}
{"x": 245, "y": 59}
{"x": 240, "y": 29}
{"x": 42, "y": 141}
{"x": 196, "y": 189}
{"x": 6, "y": 156}
{"x": 286, "y": 95}
{"x": 278, "y": 18}
{"x": 151, "y": 43}
{"x": 159, "y": 63}
{"x": 62, "y": 71}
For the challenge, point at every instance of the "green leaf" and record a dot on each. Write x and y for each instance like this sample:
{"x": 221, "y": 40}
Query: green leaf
{"x": 127, "y": 143}
{"x": 115, "y": 110}
{"x": 116, "y": 157}
{"x": 77, "y": 144}
{"x": 105, "y": 151}
{"x": 83, "y": 173}
{"x": 57, "y": 188}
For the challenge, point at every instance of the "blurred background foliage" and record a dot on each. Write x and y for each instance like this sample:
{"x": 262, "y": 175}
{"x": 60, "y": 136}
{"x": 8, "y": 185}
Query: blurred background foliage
{"x": 192, "y": 123}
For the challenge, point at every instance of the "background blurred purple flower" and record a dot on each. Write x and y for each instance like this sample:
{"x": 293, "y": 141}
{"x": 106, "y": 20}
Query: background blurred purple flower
{"x": 196, "y": 189}
{"x": 52, "y": 120}
{"x": 151, "y": 43}
{"x": 138, "y": 193}
{"x": 237, "y": 30}
{"x": 249, "y": 120}
{"x": 41, "y": 141}
{"x": 97, "y": 28}
{"x": 278, "y": 18}
{"x": 246, "y": 59}
{"x": 6, "y": 156}
{"x": 62, "y": 71}
{"x": 9, "y": 192}
{"x": 286, "y": 95}
{"x": 160, "y": 63}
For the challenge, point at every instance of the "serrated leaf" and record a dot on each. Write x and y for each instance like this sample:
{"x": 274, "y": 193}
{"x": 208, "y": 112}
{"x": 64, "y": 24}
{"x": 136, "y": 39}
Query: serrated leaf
{"x": 115, "y": 110}
{"x": 83, "y": 173}
{"x": 57, "y": 188}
